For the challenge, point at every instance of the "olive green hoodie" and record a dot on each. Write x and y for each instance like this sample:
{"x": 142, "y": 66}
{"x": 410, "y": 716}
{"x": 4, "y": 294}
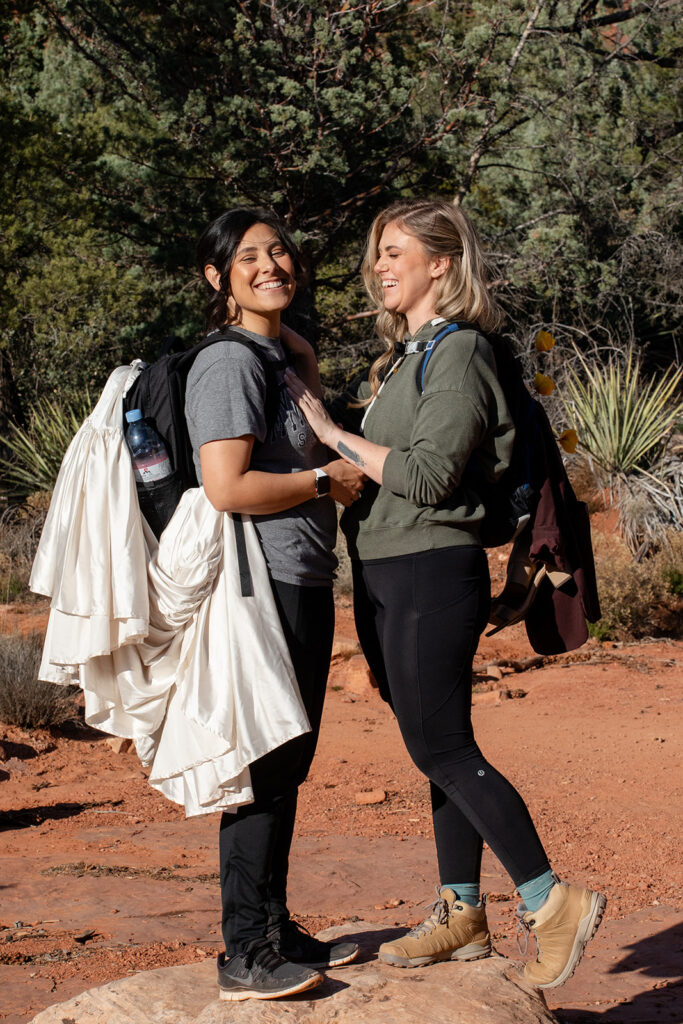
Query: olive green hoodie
{"x": 423, "y": 502}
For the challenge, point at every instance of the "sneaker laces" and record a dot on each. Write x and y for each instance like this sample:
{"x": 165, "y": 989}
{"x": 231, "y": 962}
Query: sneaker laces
{"x": 263, "y": 953}
{"x": 290, "y": 934}
{"x": 439, "y": 915}
{"x": 294, "y": 927}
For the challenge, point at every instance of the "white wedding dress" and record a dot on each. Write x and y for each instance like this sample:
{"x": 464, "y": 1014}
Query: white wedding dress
{"x": 158, "y": 635}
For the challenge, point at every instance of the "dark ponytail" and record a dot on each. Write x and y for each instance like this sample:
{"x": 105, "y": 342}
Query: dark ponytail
{"x": 217, "y": 247}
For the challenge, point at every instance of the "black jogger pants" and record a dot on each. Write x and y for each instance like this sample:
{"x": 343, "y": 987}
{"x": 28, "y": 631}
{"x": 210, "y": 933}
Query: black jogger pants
{"x": 255, "y": 841}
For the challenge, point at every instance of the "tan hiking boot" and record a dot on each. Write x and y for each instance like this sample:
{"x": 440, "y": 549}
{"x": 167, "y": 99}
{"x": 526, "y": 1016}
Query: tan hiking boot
{"x": 563, "y": 926}
{"x": 453, "y": 931}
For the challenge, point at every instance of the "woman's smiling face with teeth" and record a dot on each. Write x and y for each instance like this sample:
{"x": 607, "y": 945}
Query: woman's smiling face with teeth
{"x": 262, "y": 279}
{"x": 408, "y": 275}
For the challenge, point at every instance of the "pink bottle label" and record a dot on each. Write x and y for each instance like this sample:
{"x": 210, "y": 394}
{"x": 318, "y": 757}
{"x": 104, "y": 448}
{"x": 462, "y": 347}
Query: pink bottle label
{"x": 152, "y": 470}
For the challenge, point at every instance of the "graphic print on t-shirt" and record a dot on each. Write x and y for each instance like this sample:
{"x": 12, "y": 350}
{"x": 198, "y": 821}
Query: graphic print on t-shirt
{"x": 290, "y": 422}
{"x": 226, "y": 398}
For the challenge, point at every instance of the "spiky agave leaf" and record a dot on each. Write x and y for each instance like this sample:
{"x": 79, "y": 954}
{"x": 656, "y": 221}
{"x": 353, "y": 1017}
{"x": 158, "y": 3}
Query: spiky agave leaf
{"x": 622, "y": 420}
{"x": 38, "y": 450}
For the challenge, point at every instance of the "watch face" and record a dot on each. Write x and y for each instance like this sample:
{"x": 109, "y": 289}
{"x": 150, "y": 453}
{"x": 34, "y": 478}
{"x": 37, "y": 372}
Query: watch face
{"x": 322, "y": 485}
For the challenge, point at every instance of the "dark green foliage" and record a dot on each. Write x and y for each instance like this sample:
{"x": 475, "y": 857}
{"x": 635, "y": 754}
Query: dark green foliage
{"x": 674, "y": 578}
{"x": 130, "y": 126}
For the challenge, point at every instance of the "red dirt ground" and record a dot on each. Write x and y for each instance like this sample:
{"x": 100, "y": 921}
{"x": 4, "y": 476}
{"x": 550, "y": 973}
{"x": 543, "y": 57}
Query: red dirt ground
{"x": 592, "y": 741}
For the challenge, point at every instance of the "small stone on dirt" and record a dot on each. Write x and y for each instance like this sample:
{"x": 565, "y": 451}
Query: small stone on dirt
{"x": 119, "y": 745}
{"x": 372, "y": 796}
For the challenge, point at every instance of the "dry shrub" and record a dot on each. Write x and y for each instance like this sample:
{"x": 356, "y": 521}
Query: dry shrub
{"x": 344, "y": 581}
{"x": 20, "y": 529}
{"x": 25, "y": 700}
{"x": 639, "y": 599}
{"x": 581, "y": 473}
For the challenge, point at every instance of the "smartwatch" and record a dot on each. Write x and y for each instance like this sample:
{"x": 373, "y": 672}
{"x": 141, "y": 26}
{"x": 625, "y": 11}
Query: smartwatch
{"x": 322, "y": 483}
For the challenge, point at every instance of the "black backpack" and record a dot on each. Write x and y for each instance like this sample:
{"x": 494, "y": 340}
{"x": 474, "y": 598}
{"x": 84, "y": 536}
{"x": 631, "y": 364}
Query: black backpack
{"x": 159, "y": 393}
{"x": 511, "y": 501}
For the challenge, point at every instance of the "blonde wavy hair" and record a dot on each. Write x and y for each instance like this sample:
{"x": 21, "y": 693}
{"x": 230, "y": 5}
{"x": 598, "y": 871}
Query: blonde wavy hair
{"x": 463, "y": 292}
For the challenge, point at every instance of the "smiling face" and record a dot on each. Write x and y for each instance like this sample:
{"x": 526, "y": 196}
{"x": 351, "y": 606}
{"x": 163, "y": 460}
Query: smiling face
{"x": 262, "y": 280}
{"x": 409, "y": 276}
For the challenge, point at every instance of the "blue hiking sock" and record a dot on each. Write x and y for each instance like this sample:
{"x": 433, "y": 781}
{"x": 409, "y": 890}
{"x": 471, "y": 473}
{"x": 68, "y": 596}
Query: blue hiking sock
{"x": 465, "y": 892}
{"x": 536, "y": 892}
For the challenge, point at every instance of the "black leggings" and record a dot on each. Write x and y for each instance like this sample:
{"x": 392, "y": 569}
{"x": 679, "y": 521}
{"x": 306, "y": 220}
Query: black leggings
{"x": 255, "y": 841}
{"x": 419, "y": 618}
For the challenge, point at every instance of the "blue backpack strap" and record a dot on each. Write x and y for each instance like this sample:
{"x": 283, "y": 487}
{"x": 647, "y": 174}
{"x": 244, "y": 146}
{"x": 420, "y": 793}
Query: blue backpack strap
{"x": 431, "y": 345}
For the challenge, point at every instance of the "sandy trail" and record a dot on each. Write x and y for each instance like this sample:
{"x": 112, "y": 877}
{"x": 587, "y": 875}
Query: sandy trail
{"x": 594, "y": 746}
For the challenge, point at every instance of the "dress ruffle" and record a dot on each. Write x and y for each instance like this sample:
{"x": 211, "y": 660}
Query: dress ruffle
{"x": 158, "y": 635}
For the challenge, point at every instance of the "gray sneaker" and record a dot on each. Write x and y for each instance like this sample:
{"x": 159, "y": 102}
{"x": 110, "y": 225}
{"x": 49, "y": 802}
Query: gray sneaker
{"x": 261, "y": 973}
{"x": 297, "y": 945}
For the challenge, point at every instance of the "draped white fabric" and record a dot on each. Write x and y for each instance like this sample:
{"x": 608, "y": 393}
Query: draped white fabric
{"x": 158, "y": 636}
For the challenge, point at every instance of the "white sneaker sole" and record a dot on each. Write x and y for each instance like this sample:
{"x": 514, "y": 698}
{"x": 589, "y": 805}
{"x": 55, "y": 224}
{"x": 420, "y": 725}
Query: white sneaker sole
{"x": 463, "y": 953}
{"x": 588, "y": 926}
{"x": 238, "y": 995}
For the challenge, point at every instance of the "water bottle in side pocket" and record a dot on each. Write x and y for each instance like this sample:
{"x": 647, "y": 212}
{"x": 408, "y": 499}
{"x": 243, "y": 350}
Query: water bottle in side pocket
{"x": 157, "y": 484}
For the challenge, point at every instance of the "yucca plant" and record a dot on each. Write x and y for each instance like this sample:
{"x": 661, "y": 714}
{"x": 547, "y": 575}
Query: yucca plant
{"x": 622, "y": 420}
{"x": 37, "y": 451}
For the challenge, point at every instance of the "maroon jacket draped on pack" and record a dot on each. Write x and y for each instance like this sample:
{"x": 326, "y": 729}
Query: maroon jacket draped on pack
{"x": 560, "y": 537}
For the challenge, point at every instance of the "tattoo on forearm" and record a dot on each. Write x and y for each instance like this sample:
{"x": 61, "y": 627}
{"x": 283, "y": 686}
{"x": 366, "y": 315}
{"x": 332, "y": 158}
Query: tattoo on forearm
{"x": 348, "y": 453}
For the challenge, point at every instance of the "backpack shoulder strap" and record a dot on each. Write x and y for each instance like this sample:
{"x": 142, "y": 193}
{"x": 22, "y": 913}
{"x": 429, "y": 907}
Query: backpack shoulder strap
{"x": 451, "y": 328}
{"x": 271, "y": 368}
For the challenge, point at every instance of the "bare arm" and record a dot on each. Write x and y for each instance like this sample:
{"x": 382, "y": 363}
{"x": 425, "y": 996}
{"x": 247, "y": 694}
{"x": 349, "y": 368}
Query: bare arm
{"x": 355, "y": 450}
{"x": 231, "y": 486}
{"x": 358, "y": 452}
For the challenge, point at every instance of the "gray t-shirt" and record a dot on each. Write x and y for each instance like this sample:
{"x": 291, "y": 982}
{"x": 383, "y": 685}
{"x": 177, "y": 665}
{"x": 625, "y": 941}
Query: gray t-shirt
{"x": 225, "y": 397}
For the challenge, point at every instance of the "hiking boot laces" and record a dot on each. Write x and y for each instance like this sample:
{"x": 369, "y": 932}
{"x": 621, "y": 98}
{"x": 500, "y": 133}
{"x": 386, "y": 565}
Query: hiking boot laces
{"x": 439, "y": 915}
{"x": 523, "y": 933}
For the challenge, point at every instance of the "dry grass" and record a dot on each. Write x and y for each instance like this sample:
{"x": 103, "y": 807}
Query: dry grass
{"x": 20, "y": 528}
{"x": 25, "y": 700}
{"x": 649, "y": 502}
{"x": 344, "y": 581}
{"x": 639, "y": 598}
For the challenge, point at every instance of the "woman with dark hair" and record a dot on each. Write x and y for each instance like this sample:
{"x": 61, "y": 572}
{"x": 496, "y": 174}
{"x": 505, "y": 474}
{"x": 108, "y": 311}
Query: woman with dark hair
{"x": 421, "y": 580}
{"x": 256, "y": 454}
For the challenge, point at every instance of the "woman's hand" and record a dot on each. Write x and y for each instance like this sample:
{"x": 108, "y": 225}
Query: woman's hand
{"x": 353, "y": 449}
{"x": 346, "y": 481}
{"x": 313, "y": 409}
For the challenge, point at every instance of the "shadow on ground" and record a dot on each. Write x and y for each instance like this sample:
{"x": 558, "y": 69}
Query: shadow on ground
{"x": 657, "y": 956}
{"x": 30, "y": 816}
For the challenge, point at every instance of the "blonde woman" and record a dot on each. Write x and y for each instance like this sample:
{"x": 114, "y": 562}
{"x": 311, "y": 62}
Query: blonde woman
{"x": 421, "y": 581}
